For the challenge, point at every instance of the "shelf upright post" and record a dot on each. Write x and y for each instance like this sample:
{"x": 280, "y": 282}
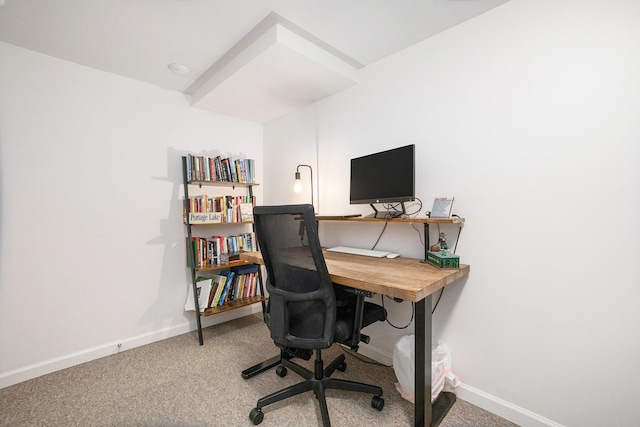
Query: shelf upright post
{"x": 426, "y": 242}
{"x": 190, "y": 254}
{"x": 260, "y": 284}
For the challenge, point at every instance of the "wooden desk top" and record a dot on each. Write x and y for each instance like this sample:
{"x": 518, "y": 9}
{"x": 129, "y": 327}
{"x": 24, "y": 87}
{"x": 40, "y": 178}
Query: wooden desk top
{"x": 424, "y": 220}
{"x": 405, "y": 278}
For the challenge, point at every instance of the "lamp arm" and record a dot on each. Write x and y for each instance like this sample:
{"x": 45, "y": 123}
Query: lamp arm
{"x": 311, "y": 172}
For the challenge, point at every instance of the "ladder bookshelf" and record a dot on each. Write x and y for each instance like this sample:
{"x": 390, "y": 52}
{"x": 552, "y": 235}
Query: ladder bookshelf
{"x": 205, "y": 217}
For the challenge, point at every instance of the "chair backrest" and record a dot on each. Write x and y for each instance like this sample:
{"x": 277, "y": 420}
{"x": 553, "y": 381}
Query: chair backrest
{"x": 302, "y": 307}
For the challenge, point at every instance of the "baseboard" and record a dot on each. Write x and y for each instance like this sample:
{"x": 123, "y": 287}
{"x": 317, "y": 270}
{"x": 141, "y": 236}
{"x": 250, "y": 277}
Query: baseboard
{"x": 373, "y": 352}
{"x": 502, "y": 408}
{"x": 486, "y": 401}
{"x": 48, "y": 366}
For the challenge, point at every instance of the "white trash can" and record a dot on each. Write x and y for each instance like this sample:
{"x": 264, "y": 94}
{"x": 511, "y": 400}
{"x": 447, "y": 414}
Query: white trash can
{"x": 404, "y": 367}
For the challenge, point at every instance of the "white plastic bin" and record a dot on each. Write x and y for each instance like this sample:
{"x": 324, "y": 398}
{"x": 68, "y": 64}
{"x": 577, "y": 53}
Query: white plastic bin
{"x": 404, "y": 367}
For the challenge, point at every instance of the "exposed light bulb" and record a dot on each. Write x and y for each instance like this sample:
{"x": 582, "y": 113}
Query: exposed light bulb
{"x": 297, "y": 186}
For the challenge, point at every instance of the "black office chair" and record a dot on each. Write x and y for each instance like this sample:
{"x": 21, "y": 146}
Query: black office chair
{"x": 302, "y": 312}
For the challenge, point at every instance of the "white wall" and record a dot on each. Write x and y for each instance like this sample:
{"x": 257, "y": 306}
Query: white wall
{"x": 528, "y": 115}
{"x": 92, "y": 242}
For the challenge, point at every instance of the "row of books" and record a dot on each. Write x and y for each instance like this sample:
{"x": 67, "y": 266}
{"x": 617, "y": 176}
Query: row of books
{"x": 225, "y": 208}
{"x": 228, "y": 169}
{"x": 225, "y": 286}
{"x": 211, "y": 251}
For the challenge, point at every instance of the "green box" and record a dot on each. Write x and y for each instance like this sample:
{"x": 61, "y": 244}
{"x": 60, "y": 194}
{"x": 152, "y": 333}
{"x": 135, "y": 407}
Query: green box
{"x": 441, "y": 260}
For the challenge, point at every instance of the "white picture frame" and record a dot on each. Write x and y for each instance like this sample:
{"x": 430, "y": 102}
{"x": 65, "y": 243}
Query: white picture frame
{"x": 246, "y": 212}
{"x": 442, "y": 207}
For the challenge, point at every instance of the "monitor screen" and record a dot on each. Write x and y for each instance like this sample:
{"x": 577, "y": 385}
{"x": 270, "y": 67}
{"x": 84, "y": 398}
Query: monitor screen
{"x": 384, "y": 177}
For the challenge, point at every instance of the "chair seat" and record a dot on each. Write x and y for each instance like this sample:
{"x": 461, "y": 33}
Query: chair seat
{"x": 345, "y": 319}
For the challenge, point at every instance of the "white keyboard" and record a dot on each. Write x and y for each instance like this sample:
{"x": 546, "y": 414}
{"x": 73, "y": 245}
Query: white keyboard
{"x": 358, "y": 251}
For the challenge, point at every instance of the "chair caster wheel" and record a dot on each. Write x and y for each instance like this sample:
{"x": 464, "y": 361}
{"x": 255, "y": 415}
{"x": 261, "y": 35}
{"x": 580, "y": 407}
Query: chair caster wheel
{"x": 377, "y": 402}
{"x": 281, "y": 371}
{"x": 342, "y": 367}
{"x": 256, "y": 416}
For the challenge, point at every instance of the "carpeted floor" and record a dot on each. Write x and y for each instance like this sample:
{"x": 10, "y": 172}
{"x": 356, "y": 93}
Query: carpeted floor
{"x": 177, "y": 382}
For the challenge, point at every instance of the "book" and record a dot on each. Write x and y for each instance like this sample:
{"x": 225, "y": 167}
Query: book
{"x": 245, "y": 269}
{"x": 205, "y": 218}
{"x": 203, "y": 286}
{"x": 220, "y": 281}
{"x": 230, "y": 169}
{"x": 228, "y": 284}
{"x": 239, "y": 288}
{"x": 246, "y": 275}
{"x": 214, "y": 286}
{"x": 197, "y": 261}
{"x": 204, "y": 289}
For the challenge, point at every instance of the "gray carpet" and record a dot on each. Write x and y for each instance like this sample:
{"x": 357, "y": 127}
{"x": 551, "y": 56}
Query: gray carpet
{"x": 176, "y": 382}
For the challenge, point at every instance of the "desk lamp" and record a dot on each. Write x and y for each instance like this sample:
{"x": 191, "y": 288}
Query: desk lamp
{"x": 298, "y": 186}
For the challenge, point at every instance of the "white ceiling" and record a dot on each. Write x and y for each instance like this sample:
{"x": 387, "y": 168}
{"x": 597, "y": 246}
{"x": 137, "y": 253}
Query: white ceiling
{"x": 139, "y": 38}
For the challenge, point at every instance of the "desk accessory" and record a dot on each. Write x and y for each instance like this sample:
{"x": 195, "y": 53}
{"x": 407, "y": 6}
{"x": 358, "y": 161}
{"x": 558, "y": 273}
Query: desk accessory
{"x": 386, "y": 177}
{"x": 297, "y": 187}
{"x": 442, "y": 207}
{"x": 443, "y": 259}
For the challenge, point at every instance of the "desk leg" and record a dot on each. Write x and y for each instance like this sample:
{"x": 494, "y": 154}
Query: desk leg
{"x": 426, "y": 414}
{"x": 423, "y": 360}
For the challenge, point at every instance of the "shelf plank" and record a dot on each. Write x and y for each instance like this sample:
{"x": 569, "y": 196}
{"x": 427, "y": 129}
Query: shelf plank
{"x": 196, "y": 224}
{"x": 223, "y": 183}
{"x": 223, "y": 266}
{"x": 232, "y": 305}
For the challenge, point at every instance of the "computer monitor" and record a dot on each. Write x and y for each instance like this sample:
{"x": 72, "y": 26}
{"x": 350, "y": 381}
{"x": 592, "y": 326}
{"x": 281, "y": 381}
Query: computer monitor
{"x": 385, "y": 177}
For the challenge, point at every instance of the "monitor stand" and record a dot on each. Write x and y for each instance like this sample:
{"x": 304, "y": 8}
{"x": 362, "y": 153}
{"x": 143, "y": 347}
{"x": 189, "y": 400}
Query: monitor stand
{"x": 386, "y": 214}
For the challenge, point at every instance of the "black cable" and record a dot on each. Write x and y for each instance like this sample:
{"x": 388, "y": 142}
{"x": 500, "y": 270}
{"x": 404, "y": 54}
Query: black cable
{"x": 422, "y": 243}
{"x": 417, "y": 211}
{"x": 455, "y": 247}
{"x": 353, "y": 354}
{"x": 389, "y": 207}
{"x": 439, "y": 296}
{"x": 413, "y": 310}
{"x": 457, "y": 238}
{"x": 380, "y": 236}
{"x": 419, "y": 234}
